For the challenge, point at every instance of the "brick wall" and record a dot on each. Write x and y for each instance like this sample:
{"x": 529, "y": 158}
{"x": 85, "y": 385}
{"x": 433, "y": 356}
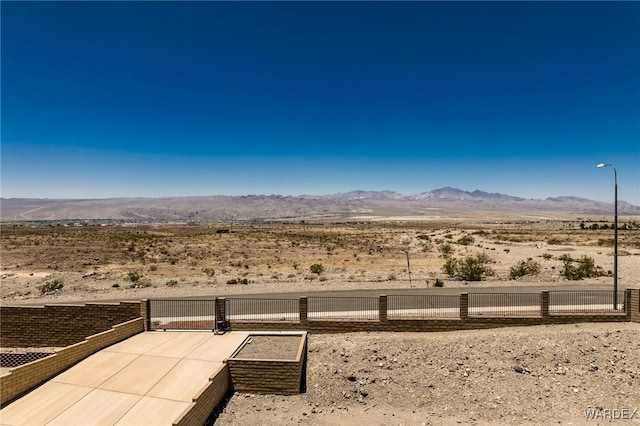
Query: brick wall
{"x": 203, "y": 404}
{"x": 269, "y": 376}
{"x": 61, "y": 325}
{"x": 634, "y": 305}
{"x": 21, "y": 379}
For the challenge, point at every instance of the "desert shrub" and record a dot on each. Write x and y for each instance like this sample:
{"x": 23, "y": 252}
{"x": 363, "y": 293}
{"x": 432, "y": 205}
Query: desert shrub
{"x": 471, "y": 268}
{"x": 565, "y": 258}
{"x": 606, "y": 242}
{"x": 438, "y": 283}
{"x": 238, "y": 281}
{"x": 524, "y": 267}
{"x": 392, "y": 277}
{"x": 578, "y": 269}
{"x": 554, "y": 241}
{"x": 153, "y": 268}
{"x": 546, "y": 256}
{"x": 209, "y": 271}
{"x": 51, "y": 286}
{"x": 310, "y": 277}
{"x": 171, "y": 283}
{"x": 134, "y": 276}
{"x": 445, "y": 250}
{"x": 465, "y": 240}
{"x": 316, "y": 268}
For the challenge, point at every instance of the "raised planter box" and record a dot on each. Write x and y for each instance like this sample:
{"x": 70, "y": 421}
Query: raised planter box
{"x": 270, "y": 363}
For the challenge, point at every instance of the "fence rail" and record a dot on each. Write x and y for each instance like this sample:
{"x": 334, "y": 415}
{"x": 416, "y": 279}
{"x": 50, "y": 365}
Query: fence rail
{"x": 505, "y": 304}
{"x": 343, "y": 308}
{"x": 254, "y": 309}
{"x": 585, "y": 301}
{"x": 182, "y": 314}
{"x": 200, "y": 314}
{"x": 423, "y": 306}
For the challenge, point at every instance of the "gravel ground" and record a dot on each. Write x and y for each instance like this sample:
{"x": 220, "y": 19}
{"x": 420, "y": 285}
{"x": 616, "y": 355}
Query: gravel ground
{"x": 524, "y": 375}
{"x": 279, "y": 347}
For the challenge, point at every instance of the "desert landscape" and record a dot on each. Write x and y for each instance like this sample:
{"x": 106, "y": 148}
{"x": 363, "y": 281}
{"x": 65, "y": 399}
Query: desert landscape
{"x": 534, "y": 375}
{"x": 62, "y": 263}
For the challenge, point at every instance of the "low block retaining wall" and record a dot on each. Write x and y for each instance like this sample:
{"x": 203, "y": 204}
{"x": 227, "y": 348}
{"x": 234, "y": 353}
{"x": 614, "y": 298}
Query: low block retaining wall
{"x": 61, "y": 325}
{"x": 635, "y": 305}
{"x": 281, "y": 376}
{"x": 21, "y": 379}
{"x": 203, "y": 404}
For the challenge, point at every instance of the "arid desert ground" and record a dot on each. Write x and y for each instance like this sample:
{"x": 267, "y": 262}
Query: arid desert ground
{"x": 83, "y": 263}
{"x": 528, "y": 375}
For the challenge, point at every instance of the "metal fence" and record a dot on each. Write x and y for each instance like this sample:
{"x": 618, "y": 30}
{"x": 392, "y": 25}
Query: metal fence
{"x": 182, "y": 314}
{"x": 505, "y": 304}
{"x": 254, "y": 309}
{"x": 585, "y": 301}
{"x": 423, "y": 306}
{"x": 343, "y": 308}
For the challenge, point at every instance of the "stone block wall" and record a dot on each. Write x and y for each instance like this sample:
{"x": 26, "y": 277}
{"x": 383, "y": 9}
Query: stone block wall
{"x": 61, "y": 325}
{"x": 21, "y": 379}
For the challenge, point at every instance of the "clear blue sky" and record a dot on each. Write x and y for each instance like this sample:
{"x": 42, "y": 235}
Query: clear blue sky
{"x": 109, "y": 99}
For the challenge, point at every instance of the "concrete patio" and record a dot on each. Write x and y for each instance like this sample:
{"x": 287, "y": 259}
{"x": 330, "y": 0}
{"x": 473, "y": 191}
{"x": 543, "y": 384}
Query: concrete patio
{"x": 149, "y": 379}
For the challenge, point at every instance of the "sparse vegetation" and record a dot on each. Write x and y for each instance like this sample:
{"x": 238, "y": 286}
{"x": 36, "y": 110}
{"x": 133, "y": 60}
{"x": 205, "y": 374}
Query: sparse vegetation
{"x": 578, "y": 269}
{"x": 446, "y": 250}
{"x": 316, "y": 268}
{"x": 465, "y": 240}
{"x": 470, "y": 268}
{"x": 524, "y": 267}
{"x": 51, "y": 287}
{"x": 134, "y": 276}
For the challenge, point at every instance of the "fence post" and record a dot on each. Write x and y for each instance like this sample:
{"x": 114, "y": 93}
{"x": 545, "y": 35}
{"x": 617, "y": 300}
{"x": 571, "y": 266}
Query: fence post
{"x": 464, "y": 306}
{"x": 382, "y": 308}
{"x": 627, "y": 303}
{"x": 303, "y": 310}
{"x": 145, "y": 312}
{"x": 544, "y": 307}
{"x": 221, "y": 315}
{"x": 635, "y": 304}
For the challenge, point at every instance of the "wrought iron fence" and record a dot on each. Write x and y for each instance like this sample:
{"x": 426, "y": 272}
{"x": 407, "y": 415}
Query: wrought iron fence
{"x": 505, "y": 304}
{"x": 182, "y": 314}
{"x": 423, "y": 306}
{"x": 343, "y": 308}
{"x": 258, "y": 309}
{"x": 585, "y": 301}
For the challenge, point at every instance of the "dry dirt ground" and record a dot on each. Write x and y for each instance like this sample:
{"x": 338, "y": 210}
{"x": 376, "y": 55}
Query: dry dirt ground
{"x": 139, "y": 261}
{"x": 527, "y": 375}
{"x": 535, "y": 375}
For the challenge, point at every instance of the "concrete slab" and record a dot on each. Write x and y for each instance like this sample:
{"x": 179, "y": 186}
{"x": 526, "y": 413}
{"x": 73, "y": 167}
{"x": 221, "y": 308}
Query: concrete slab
{"x": 181, "y": 345}
{"x": 153, "y": 412}
{"x": 218, "y": 348}
{"x": 141, "y": 375}
{"x": 148, "y": 379}
{"x": 102, "y": 366}
{"x": 141, "y": 343}
{"x": 185, "y": 380}
{"x": 42, "y": 404}
{"x": 99, "y": 407}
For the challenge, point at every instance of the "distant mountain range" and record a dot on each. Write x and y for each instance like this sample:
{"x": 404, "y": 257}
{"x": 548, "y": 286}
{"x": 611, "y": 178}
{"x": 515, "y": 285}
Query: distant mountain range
{"x": 444, "y": 203}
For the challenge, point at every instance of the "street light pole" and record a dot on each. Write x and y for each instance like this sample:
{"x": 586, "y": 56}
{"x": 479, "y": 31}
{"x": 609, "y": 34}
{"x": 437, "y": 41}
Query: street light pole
{"x": 615, "y": 230}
